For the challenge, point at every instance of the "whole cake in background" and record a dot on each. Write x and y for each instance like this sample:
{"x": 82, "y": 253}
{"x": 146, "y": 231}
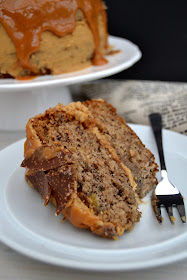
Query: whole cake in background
{"x": 51, "y": 36}
{"x": 87, "y": 161}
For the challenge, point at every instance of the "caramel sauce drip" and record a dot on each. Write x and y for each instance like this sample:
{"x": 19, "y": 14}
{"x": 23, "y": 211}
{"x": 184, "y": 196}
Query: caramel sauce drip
{"x": 25, "y": 21}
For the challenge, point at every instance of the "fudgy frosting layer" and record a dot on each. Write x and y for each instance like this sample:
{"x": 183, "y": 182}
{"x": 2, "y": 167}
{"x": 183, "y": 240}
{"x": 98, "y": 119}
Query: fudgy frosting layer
{"x": 51, "y": 173}
{"x": 57, "y": 183}
{"x": 47, "y": 157}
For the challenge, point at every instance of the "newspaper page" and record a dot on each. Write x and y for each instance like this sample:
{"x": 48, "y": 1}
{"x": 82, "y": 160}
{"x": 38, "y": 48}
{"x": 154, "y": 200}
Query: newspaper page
{"x": 135, "y": 100}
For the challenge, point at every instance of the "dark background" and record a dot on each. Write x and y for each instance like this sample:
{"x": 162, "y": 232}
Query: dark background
{"x": 159, "y": 28}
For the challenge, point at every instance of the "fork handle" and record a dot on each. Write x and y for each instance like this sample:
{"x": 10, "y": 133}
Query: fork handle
{"x": 156, "y": 123}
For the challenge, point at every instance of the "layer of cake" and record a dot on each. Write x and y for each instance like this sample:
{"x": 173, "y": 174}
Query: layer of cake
{"x": 128, "y": 146}
{"x": 51, "y": 36}
{"x": 104, "y": 184}
{"x": 56, "y": 54}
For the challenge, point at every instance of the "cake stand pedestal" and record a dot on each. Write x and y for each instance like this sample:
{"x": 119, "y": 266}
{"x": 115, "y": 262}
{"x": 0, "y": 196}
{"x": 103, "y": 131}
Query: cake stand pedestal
{"x": 18, "y": 106}
{"x": 21, "y": 100}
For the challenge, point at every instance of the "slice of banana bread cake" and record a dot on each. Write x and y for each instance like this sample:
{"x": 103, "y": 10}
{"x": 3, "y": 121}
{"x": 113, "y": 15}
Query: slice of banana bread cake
{"x": 73, "y": 165}
{"x": 128, "y": 146}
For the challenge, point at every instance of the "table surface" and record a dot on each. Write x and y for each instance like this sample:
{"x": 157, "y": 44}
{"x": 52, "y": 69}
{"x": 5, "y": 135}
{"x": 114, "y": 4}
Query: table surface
{"x": 16, "y": 266}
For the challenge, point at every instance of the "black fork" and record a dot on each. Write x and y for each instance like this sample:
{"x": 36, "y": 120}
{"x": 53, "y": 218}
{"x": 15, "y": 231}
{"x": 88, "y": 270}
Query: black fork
{"x": 164, "y": 194}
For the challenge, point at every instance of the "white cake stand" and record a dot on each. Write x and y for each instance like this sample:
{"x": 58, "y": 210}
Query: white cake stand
{"x": 20, "y": 100}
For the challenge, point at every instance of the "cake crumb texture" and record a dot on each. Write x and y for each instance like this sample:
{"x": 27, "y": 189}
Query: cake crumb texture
{"x": 130, "y": 149}
{"x": 72, "y": 162}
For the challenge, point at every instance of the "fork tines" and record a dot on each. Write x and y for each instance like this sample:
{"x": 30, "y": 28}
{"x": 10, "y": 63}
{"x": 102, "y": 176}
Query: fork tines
{"x": 168, "y": 201}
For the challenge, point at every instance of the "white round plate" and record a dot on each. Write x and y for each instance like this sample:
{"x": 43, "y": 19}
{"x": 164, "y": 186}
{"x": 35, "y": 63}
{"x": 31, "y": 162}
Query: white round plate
{"x": 129, "y": 55}
{"x": 32, "y": 229}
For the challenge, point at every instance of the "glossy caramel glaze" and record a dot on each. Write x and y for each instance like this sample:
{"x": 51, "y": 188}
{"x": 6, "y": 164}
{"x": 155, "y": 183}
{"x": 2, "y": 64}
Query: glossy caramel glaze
{"x": 25, "y": 21}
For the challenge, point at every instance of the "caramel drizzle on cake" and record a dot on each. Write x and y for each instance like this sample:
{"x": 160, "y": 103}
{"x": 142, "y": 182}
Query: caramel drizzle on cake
{"x": 26, "y": 20}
